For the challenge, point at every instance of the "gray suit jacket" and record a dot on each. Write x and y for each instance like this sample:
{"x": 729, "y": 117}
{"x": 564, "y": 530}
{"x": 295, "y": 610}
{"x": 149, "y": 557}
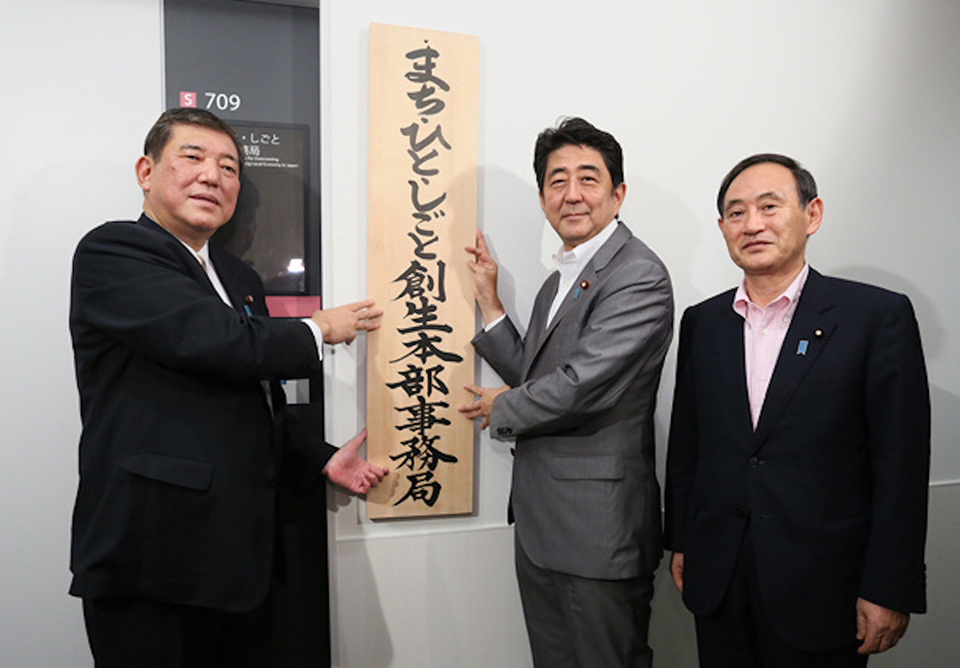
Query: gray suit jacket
{"x": 585, "y": 495}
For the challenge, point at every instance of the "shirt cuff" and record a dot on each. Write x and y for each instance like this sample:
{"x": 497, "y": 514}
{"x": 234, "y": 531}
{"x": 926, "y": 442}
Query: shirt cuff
{"x": 487, "y": 327}
{"x": 317, "y": 335}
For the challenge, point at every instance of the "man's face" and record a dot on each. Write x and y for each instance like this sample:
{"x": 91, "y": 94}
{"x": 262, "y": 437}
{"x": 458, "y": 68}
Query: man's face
{"x": 578, "y": 196}
{"x": 192, "y": 189}
{"x": 763, "y": 223}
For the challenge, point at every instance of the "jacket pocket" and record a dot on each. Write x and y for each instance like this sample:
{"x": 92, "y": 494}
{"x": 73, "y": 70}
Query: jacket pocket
{"x": 177, "y": 471}
{"x": 586, "y": 468}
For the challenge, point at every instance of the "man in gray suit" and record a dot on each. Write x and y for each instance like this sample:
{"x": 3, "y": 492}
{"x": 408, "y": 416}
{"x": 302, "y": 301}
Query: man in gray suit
{"x": 579, "y": 400}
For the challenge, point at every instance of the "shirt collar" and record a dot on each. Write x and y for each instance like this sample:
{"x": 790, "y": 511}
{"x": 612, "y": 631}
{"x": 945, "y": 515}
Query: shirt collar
{"x": 202, "y": 255}
{"x": 741, "y": 302}
{"x": 583, "y": 253}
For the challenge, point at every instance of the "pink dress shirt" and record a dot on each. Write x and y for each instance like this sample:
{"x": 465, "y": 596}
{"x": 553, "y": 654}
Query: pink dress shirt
{"x": 764, "y": 330}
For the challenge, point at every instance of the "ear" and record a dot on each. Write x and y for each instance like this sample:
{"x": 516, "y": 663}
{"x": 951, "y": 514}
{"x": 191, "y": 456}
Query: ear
{"x": 814, "y": 211}
{"x": 619, "y": 193}
{"x": 543, "y": 204}
{"x": 144, "y": 170}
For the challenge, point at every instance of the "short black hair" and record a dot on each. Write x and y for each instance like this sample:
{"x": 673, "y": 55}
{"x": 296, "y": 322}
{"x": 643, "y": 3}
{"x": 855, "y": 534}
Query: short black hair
{"x": 577, "y": 132}
{"x": 806, "y": 185}
{"x": 159, "y": 135}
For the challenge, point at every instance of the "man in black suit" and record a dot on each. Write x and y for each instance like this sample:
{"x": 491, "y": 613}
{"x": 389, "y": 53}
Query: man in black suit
{"x": 796, "y": 501}
{"x": 185, "y": 429}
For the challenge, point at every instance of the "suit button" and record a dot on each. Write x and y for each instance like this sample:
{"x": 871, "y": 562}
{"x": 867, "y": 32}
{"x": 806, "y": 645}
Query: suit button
{"x": 754, "y": 462}
{"x": 741, "y": 512}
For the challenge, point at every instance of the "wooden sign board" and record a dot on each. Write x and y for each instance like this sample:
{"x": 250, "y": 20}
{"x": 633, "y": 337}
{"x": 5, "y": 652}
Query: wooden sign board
{"x": 422, "y": 213}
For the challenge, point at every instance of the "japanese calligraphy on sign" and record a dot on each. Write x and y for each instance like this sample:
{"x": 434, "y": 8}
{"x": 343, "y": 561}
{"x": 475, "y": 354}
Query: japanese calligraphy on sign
{"x": 422, "y": 213}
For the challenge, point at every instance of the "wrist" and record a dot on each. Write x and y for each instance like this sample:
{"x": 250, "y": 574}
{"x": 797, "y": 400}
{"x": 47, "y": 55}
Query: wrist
{"x": 491, "y": 311}
{"x": 324, "y": 330}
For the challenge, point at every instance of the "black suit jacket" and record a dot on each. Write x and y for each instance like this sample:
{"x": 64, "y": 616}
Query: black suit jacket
{"x": 833, "y": 482}
{"x": 179, "y": 453}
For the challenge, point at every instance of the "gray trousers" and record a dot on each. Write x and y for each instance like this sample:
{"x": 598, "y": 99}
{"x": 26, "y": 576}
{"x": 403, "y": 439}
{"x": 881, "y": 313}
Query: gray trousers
{"x": 576, "y": 622}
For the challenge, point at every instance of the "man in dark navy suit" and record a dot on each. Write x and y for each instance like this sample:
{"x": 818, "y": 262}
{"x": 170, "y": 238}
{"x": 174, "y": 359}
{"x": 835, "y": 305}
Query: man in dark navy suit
{"x": 186, "y": 435}
{"x": 796, "y": 495}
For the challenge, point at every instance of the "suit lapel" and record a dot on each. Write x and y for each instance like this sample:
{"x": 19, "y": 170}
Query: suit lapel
{"x": 730, "y": 364}
{"x": 236, "y": 284}
{"x": 578, "y": 294}
{"x": 189, "y": 259}
{"x": 809, "y": 332}
{"x": 535, "y": 332}
{"x": 231, "y": 279}
{"x": 576, "y": 297}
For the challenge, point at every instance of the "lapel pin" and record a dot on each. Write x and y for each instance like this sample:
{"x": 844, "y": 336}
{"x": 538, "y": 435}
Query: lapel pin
{"x": 248, "y": 299}
{"x": 583, "y": 286}
{"x": 818, "y": 333}
{"x": 802, "y": 347}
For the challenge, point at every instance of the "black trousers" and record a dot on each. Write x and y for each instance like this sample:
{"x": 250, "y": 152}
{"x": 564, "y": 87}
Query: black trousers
{"x": 575, "y": 622}
{"x": 739, "y": 633}
{"x": 131, "y": 633}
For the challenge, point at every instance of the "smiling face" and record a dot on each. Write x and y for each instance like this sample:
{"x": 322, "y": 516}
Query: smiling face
{"x": 191, "y": 190}
{"x": 763, "y": 223}
{"x": 578, "y": 197}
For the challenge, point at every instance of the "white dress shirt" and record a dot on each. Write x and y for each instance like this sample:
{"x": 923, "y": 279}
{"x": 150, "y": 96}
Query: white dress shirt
{"x": 569, "y": 263}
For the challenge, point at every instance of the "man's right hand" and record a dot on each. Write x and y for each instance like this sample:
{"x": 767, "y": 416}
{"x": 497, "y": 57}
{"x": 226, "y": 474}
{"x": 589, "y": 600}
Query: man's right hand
{"x": 676, "y": 570}
{"x": 484, "y": 271}
{"x": 340, "y": 324}
{"x": 483, "y": 406}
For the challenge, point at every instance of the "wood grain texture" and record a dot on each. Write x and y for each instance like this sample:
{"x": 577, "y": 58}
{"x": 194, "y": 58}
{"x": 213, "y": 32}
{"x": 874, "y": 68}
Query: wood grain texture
{"x": 422, "y": 213}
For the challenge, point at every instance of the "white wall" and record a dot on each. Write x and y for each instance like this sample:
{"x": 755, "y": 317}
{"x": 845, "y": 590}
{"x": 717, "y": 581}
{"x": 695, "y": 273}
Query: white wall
{"x": 80, "y": 85}
{"x": 862, "y": 92}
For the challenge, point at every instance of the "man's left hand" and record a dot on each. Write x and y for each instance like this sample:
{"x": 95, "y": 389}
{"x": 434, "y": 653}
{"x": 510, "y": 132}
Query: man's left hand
{"x": 879, "y": 628}
{"x": 347, "y": 469}
{"x": 482, "y": 406}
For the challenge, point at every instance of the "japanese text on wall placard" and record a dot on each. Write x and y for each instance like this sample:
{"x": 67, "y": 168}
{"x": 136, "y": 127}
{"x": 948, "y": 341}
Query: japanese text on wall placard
{"x": 422, "y": 213}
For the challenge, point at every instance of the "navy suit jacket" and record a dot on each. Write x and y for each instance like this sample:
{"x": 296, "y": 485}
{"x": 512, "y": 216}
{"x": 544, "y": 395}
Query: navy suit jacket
{"x": 180, "y": 454}
{"x": 833, "y": 481}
